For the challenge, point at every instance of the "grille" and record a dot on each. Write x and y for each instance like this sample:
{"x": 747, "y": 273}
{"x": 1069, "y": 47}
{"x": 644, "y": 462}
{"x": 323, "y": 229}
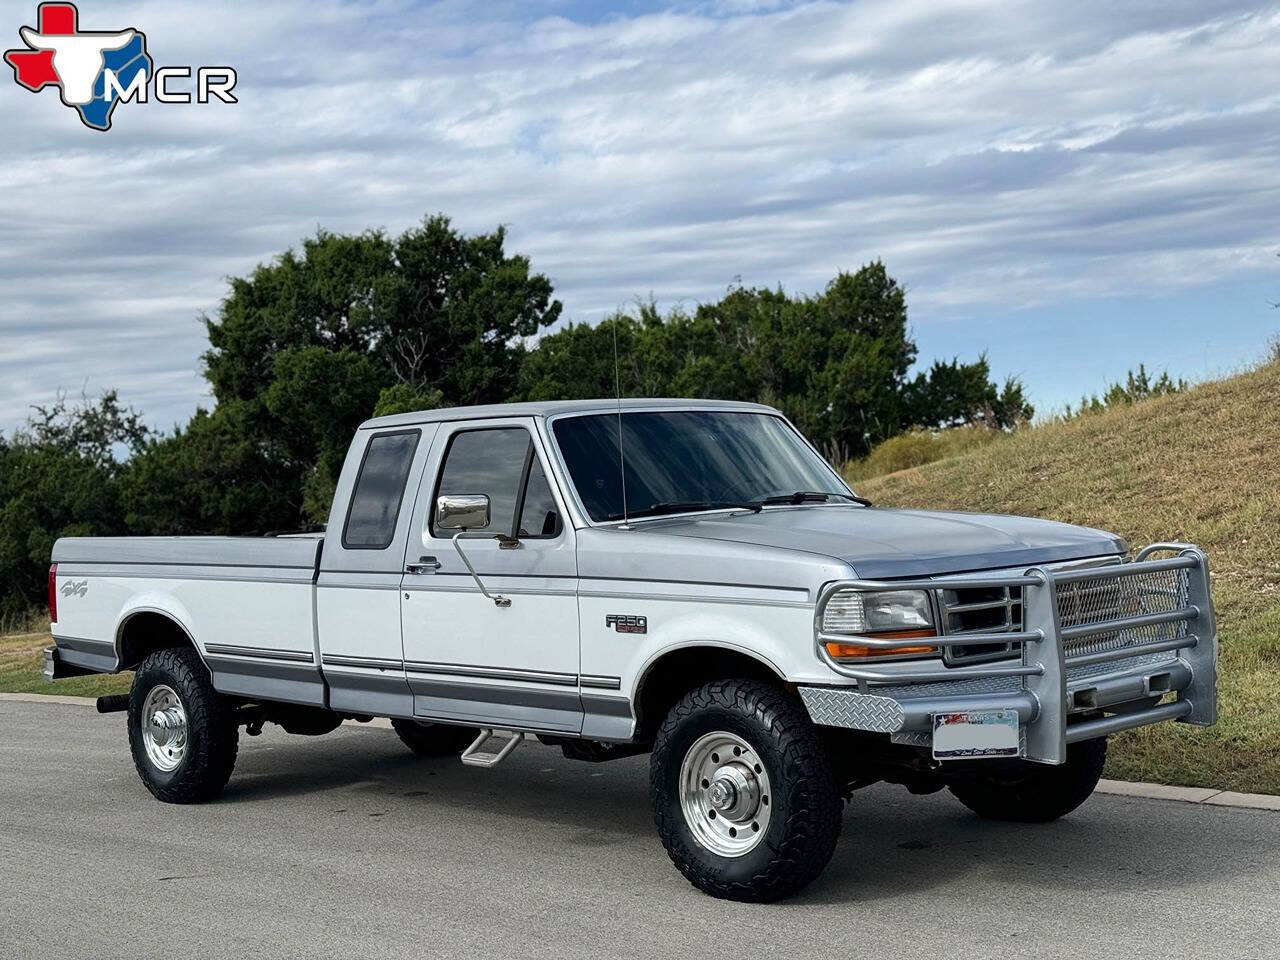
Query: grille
{"x": 1124, "y": 595}
{"x": 980, "y": 610}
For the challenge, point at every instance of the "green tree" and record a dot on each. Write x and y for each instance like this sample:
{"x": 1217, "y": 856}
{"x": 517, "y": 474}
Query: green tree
{"x": 953, "y": 394}
{"x": 1137, "y": 386}
{"x": 304, "y": 348}
{"x": 60, "y": 476}
{"x": 209, "y": 477}
{"x": 835, "y": 363}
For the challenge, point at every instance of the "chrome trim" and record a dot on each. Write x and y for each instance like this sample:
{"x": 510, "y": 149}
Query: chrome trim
{"x": 498, "y": 599}
{"x": 449, "y": 583}
{"x": 462, "y": 511}
{"x": 685, "y": 598}
{"x": 593, "y": 681}
{"x": 259, "y": 653}
{"x": 163, "y": 726}
{"x": 169, "y": 572}
{"x": 600, "y": 682}
{"x": 492, "y": 673}
{"x": 366, "y": 663}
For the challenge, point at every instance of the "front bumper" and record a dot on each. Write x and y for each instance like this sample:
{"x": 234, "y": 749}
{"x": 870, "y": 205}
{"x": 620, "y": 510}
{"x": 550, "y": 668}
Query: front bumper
{"x": 1135, "y": 634}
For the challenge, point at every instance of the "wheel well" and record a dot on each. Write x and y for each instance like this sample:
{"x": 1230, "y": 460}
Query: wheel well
{"x": 676, "y": 673}
{"x": 145, "y": 633}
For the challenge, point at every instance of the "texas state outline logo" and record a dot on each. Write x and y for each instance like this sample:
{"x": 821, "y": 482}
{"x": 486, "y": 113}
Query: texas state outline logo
{"x": 96, "y": 70}
{"x": 79, "y": 62}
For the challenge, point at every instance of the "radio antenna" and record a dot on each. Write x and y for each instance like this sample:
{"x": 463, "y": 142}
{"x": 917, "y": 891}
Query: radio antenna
{"x": 622, "y": 457}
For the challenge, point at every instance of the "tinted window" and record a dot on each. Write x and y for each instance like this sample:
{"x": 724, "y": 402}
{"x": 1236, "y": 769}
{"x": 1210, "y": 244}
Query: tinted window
{"x": 540, "y": 516}
{"x": 375, "y": 504}
{"x": 489, "y": 462}
{"x": 685, "y": 457}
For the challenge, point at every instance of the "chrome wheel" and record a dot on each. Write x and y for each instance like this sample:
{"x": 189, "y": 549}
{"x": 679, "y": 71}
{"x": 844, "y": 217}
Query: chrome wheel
{"x": 164, "y": 728}
{"x": 724, "y": 794}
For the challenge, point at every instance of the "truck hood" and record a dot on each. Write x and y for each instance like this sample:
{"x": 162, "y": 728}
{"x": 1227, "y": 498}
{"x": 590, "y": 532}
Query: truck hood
{"x": 883, "y": 543}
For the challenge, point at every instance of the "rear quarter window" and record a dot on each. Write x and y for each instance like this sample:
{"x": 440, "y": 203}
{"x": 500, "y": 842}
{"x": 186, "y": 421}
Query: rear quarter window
{"x": 379, "y": 491}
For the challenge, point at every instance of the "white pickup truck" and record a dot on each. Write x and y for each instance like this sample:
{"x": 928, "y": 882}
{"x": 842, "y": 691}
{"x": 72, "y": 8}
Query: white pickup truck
{"x": 687, "y": 579}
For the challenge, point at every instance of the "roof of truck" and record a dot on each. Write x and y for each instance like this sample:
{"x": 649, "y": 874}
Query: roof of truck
{"x": 551, "y": 407}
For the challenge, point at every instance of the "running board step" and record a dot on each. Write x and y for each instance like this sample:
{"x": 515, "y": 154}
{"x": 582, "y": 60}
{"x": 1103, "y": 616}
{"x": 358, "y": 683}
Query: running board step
{"x": 505, "y": 742}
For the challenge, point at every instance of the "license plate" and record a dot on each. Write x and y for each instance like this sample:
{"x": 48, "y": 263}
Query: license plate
{"x": 974, "y": 735}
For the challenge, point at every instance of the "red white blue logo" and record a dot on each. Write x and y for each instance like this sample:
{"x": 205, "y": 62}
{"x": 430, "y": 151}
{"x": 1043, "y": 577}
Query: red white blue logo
{"x": 93, "y": 70}
{"x": 97, "y": 70}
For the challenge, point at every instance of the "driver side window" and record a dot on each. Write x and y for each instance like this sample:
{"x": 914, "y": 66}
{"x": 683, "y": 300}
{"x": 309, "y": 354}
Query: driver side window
{"x": 502, "y": 464}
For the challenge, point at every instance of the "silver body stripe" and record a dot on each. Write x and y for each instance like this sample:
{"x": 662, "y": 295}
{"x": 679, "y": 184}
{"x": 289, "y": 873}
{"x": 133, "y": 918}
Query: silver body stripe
{"x": 602, "y": 683}
{"x": 477, "y": 672}
{"x": 492, "y": 673}
{"x": 258, "y": 653}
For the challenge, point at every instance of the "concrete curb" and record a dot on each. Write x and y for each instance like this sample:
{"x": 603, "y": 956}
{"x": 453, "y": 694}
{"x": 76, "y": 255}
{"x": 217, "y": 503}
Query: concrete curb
{"x": 1117, "y": 788}
{"x": 1205, "y": 795}
{"x": 46, "y": 698}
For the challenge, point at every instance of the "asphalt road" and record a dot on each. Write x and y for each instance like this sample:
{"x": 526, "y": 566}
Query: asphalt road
{"x": 349, "y": 846}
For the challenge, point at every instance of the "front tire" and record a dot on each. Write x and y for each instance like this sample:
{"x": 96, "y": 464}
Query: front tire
{"x": 743, "y": 793}
{"x": 434, "y": 739}
{"x": 182, "y": 733}
{"x": 1038, "y": 794}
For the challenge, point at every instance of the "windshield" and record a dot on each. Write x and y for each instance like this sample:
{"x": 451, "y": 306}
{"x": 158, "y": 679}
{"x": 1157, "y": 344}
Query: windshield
{"x": 682, "y": 459}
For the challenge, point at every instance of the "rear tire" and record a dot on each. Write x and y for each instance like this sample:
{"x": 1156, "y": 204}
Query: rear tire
{"x": 182, "y": 733}
{"x": 434, "y": 739}
{"x": 743, "y": 793}
{"x": 1038, "y": 794}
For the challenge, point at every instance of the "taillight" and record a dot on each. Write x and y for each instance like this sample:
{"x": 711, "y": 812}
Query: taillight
{"x": 53, "y": 593}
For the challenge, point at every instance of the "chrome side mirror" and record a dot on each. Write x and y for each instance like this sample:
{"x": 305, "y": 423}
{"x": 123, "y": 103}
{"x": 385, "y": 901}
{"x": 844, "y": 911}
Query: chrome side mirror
{"x": 462, "y": 512}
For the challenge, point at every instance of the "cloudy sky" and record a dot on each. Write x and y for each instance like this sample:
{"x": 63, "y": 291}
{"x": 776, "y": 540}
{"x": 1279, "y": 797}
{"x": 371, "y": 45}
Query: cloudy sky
{"x": 1073, "y": 188}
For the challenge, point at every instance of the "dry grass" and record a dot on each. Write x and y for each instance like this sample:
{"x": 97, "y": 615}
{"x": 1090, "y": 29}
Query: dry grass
{"x": 1201, "y": 466}
{"x": 918, "y": 447}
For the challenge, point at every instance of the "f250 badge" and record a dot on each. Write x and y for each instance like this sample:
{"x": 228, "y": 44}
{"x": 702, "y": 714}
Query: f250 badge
{"x": 75, "y": 588}
{"x": 626, "y": 623}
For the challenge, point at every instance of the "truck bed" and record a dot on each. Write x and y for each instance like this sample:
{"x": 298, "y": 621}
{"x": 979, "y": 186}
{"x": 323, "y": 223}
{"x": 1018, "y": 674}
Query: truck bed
{"x": 246, "y": 602}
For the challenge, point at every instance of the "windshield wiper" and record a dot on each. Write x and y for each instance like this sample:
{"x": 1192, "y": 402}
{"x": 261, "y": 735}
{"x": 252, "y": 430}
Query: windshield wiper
{"x": 686, "y": 506}
{"x": 812, "y": 496}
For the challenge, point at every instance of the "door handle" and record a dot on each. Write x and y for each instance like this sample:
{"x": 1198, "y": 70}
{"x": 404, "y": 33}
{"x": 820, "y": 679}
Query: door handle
{"x": 423, "y": 565}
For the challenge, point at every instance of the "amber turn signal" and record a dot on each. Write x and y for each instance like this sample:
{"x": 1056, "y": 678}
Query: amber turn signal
{"x": 852, "y": 651}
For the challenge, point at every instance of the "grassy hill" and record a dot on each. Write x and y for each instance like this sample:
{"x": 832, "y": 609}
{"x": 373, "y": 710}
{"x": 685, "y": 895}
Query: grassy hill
{"x": 1201, "y": 466}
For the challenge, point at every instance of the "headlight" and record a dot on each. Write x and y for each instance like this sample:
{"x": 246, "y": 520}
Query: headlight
{"x": 888, "y": 615}
{"x": 853, "y": 611}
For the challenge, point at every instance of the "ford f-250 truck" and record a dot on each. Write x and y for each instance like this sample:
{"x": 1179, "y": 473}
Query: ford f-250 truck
{"x": 687, "y": 579}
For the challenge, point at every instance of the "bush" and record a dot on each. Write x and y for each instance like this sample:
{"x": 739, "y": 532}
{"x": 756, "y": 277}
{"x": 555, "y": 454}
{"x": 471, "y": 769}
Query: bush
{"x": 1137, "y": 387}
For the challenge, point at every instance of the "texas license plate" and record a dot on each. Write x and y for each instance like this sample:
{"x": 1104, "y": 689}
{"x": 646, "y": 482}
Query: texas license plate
{"x": 974, "y": 735}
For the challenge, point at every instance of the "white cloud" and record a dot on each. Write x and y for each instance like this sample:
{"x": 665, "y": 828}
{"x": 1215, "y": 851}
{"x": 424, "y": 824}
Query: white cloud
{"x": 996, "y": 155}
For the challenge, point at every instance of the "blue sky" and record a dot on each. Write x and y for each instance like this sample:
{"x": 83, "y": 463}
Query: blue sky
{"x": 1072, "y": 188}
